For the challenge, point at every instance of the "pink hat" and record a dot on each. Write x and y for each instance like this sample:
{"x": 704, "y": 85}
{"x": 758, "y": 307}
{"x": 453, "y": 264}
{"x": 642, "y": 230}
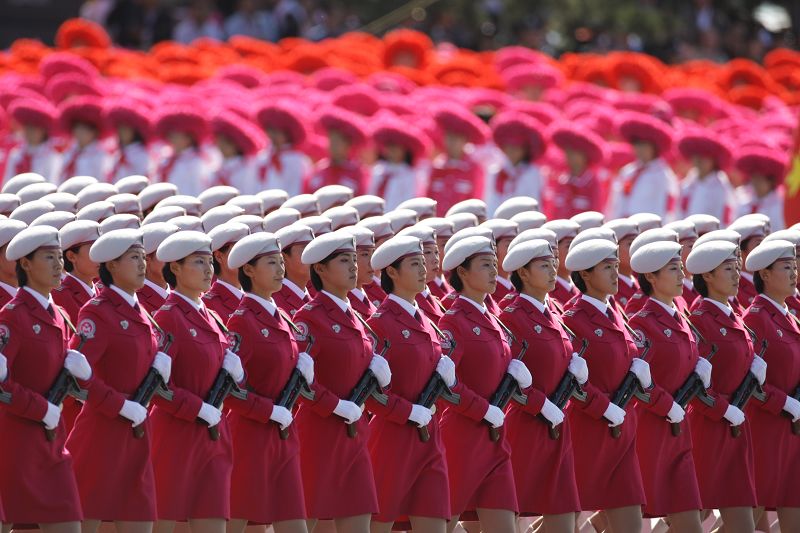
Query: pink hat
{"x": 640, "y": 127}
{"x": 567, "y": 136}
{"x": 348, "y": 124}
{"x": 394, "y": 131}
{"x": 244, "y": 134}
{"x": 182, "y": 118}
{"x": 330, "y": 78}
{"x": 88, "y": 109}
{"x": 35, "y": 112}
{"x": 521, "y": 130}
{"x": 694, "y": 101}
{"x": 244, "y": 75}
{"x": 391, "y": 82}
{"x": 541, "y": 111}
{"x": 458, "y": 120}
{"x": 702, "y": 142}
{"x": 539, "y": 75}
{"x": 62, "y": 86}
{"x": 130, "y": 113}
{"x": 59, "y": 62}
{"x": 762, "y": 161}
{"x": 512, "y": 56}
{"x": 281, "y": 115}
{"x": 357, "y": 98}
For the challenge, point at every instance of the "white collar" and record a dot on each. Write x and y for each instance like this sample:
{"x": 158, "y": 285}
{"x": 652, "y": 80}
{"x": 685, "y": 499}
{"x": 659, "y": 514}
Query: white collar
{"x": 542, "y": 307}
{"x": 197, "y": 306}
{"x": 479, "y": 306}
{"x": 747, "y": 275}
{"x": 269, "y": 305}
{"x": 376, "y": 280}
{"x": 425, "y": 292}
{"x": 688, "y": 283}
{"x": 359, "y": 293}
{"x": 161, "y": 291}
{"x": 628, "y": 280}
{"x": 566, "y": 283}
{"x": 344, "y": 305}
{"x": 86, "y": 287}
{"x": 410, "y": 308}
{"x": 301, "y": 293}
{"x": 439, "y": 280}
{"x": 782, "y": 308}
{"x": 601, "y": 306}
{"x": 8, "y": 288}
{"x": 44, "y": 302}
{"x": 505, "y": 283}
{"x": 671, "y": 310}
{"x": 725, "y": 308}
{"x": 236, "y": 292}
{"x": 132, "y": 300}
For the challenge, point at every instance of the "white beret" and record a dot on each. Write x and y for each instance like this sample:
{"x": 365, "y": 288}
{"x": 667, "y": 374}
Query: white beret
{"x": 307, "y": 204}
{"x": 462, "y": 220}
{"x": 250, "y": 203}
{"x": 332, "y": 196}
{"x": 9, "y": 202}
{"x": 622, "y": 228}
{"x": 187, "y": 223}
{"x": 683, "y": 228}
{"x": 296, "y": 233}
{"x": 15, "y": 184}
{"x": 529, "y": 220}
{"x": 466, "y": 248}
{"x": 646, "y": 221}
{"x": 121, "y": 221}
{"x": 501, "y": 228}
{"x": 364, "y": 236}
{"x": 756, "y": 216}
{"x": 326, "y": 245}
{"x": 125, "y": 203}
{"x": 155, "y": 233}
{"x": 154, "y": 193}
{"x": 96, "y": 211}
{"x": 592, "y": 234}
{"x": 652, "y": 235}
{"x": 654, "y": 256}
{"x": 749, "y": 227}
{"x": 791, "y": 235}
{"x": 473, "y": 205}
{"x": 272, "y": 199}
{"x": 703, "y": 223}
{"x": 254, "y": 222}
{"x": 35, "y": 191}
{"x": 76, "y": 184}
{"x": 590, "y": 253}
{"x": 709, "y": 255}
{"x": 467, "y": 233}
{"x": 280, "y": 218}
{"x": 216, "y": 196}
{"x": 402, "y": 218}
{"x": 164, "y": 214}
{"x": 766, "y": 253}
{"x": 78, "y": 232}
{"x": 426, "y": 234}
{"x": 133, "y": 184}
{"x": 424, "y": 207}
{"x": 442, "y": 226}
{"x": 719, "y": 235}
{"x": 227, "y": 233}
{"x": 380, "y": 226}
{"x": 113, "y": 244}
{"x": 367, "y": 205}
{"x": 190, "y": 203}
{"x": 253, "y": 246}
{"x": 9, "y": 229}
{"x": 219, "y": 215}
{"x": 516, "y": 205}
{"x": 394, "y": 249}
{"x": 31, "y": 211}
{"x": 562, "y": 227}
{"x": 94, "y": 193}
{"x": 341, "y": 216}
{"x": 532, "y": 234}
{"x": 63, "y": 201}
{"x": 588, "y": 219}
{"x": 183, "y": 244}
{"x": 56, "y": 219}
{"x": 31, "y": 239}
{"x": 320, "y": 224}
{"x": 525, "y": 252}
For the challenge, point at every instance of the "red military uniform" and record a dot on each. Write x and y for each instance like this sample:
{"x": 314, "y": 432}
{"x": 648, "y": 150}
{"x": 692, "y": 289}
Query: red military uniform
{"x": 777, "y": 461}
{"x": 440, "y": 290}
{"x": 454, "y": 180}
{"x": 690, "y": 295}
{"x": 628, "y": 286}
{"x": 266, "y": 481}
{"x": 71, "y": 295}
{"x": 639, "y": 300}
{"x": 747, "y": 290}
{"x": 348, "y": 173}
{"x": 222, "y": 299}
{"x": 480, "y": 470}
{"x": 151, "y": 296}
{"x": 7, "y": 293}
{"x": 565, "y": 291}
{"x": 36, "y": 476}
{"x": 724, "y": 463}
{"x": 491, "y": 305}
{"x": 504, "y": 288}
{"x": 430, "y": 305}
{"x": 544, "y": 468}
{"x": 121, "y": 347}
{"x": 361, "y": 302}
{"x": 375, "y": 293}
{"x": 666, "y": 461}
{"x": 607, "y": 469}
{"x": 289, "y": 298}
{"x": 410, "y": 475}
{"x": 193, "y": 472}
{"x": 337, "y": 473}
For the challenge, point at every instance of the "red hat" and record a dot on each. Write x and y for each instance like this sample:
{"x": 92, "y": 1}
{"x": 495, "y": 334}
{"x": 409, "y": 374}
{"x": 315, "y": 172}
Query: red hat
{"x": 285, "y": 117}
{"x": 59, "y": 62}
{"x": 486, "y": 101}
{"x": 243, "y": 133}
{"x": 358, "y": 98}
{"x": 35, "y": 112}
{"x": 568, "y": 136}
{"x": 3, "y": 120}
{"x": 330, "y": 78}
{"x": 541, "y": 111}
{"x": 182, "y": 118}
{"x": 762, "y": 161}
{"x": 88, "y": 109}
{"x": 541, "y": 75}
{"x": 391, "y": 82}
{"x": 78, "y": 32}
{"x": 619, "y": 155}
{"x": 513, "y": 56}
{"x": 521, "y": 130}
{"x": 394, "y": 131}
{"x": 640, "y": 127}
{"x": 348, "y": 124}
{"x": 244, "y": 75}
{"x": 62, "y": 86}
{"x": 408, "y": 48}
{"x": 458, "y": 120}
{"x": 705, "y": 143}
{"x": 639, "y": 68}
{"x": 131, "y": 113}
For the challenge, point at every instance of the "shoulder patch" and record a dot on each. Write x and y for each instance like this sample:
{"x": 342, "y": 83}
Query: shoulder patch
{"x": 450, "y": 312}
{"x": 240, "y": 312}
{"x": 95, "y": 301}
{"x": 165, "y": 307}
{"x": 698, "y": 312}
{"x": 451, "y": 296}
{"x": 510, "y": 296}
{"x": 569, "y": 312}
{"x": 10, "y": 306}
{"x": 510, "y": 309}
{"x": 302, "y": 331}
{"x": 308, "y": 307}
{"x": 754, "y": 309}
{"x": 5, "y": 331}
{"x": 87, "y": 327}
{"x": 376, "y": 314}
{"x": 637, "y": 296}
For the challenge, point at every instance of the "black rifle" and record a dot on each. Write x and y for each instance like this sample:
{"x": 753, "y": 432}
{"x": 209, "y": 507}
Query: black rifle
{"x": 65, "y": 385}
{"x": 5, "y": 397}
{"x": 224, "y": 386}
{"x": 749, "y": 388}
{"x": 367, "y": 386}
{"x": 795, "y": 423}
{"x": 508, "y": 389}
{"x": 152, "y": 384}
{"x": 567, "y": 388}
{"x": 436, "y": 388}
{"x": 692, "y": 388}
{"x": 629, "y": 388}
{"x": 295, "y": 387}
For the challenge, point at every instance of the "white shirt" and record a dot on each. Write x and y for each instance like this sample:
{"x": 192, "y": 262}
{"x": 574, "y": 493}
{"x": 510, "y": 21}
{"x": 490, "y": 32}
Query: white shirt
{"x": 439, "y": 280}
{"x": 725, "y": 308}
{"x": 164, "y": 293}
{"x": 137, "y": 162}
{"x": 301, "y": 293}
{"x": 359, "y": 293}
{"x": 524, "y": 179}
{"x": 651, "y": 193}
{"x": 92, "y": 160}
{"x": 189, "y": 172}
{"x": 542, "y": 307}
{"x": 566, "y": 283}
{"x": 268, "y": 305}
{"x": 344, "y": 305}
{"x": 505, "y": 283}
{"x": 770, "y": 205}
{"x": 295, "y": 167}
{"x": 712, "y": 195}
{"x": 601, "y": 306}
{"x": 9, "y": 289}
{"x": 628, "y": 281}
{"x": 197, "y": 305}
{"x": 411, "y": 309}
{"x": 782, "y": 308}
{"x": 44, "y": 302}
{"x": 236, "y": 292}
{"x": 396, "y": 183}
{"x": 86, "y": 287}
{"x": 688, "y": 283}
{"x": 131, "y": 300}
{"x": 45, "y": 160}
{"x": 668, "y": 308}
{"x": 480, "y": 307}
{"x": 237, "y": 169}
{"x": 747, "y": 275}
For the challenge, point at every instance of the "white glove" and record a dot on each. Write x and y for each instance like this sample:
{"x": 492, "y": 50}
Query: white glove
{"x": 348, "y": 410}
{"x": 380, "y": 367}
{"x": 210, "y": 414}
{"x": 282, "y": 416}
{"x": 163, "y": 365}
{"x": 642, "y": 371}
{"x": 134, "y": 412}
{"x": 552, "y": 413}
{"x": 734, "y": 415}
{"x": 52, "y": 416}
{"x": 759, "y": 369}
{"x": 77, "y": 365}
{"x": 3, "y": 367}
{"x": 305, "y": 364}
{"x": 676, "y": 414}
{"x": 614, "y": 414}
{"x": 420, "y": 415}
{"x": 579, "y": 368}
{"x": 233, "y": 365}
{"x": 495, "y": 416}
{"x": 703, "y": 369}
{"x": 792, "y": 407}
{"x": 520, "y": 373}
{"x": 447, "y": 369}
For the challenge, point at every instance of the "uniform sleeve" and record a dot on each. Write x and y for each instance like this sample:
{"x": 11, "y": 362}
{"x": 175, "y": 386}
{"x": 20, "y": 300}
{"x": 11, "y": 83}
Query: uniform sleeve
{"x": 472, "y": 404}
{"x": 660, "y": 399}
{"x": 324, "y": 401}
{"x": 596, "y": 400}
{"x": 535, "y": 396}
{"x": 776, "y": 398}
{"x": 25, "y": 402}
{"x": 717, "y": 412}
{"x": 255, "y": 407}
{"x": 397, "y": 409}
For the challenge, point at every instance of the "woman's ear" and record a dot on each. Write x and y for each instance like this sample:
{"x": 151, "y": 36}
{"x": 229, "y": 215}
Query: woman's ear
{"x": 249, "y": 270}
{"x": 650, "y": 277}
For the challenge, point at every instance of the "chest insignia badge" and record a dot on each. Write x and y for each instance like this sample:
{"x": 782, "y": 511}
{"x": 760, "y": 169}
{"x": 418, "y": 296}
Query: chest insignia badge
{"x": 406, "y": 334}
{"x": 723, "y": 331}
{"x": 265, "y": 332}
{"x": 537, "y": 328}
{"x": 37, "y": 328}
{"x": 476, "y": 330}
{"x": 780, "y": 333}
{"x": 193, "y": 332}
{"x": 336, "y": 328}
{"x": 124, "y": 324}
{"x": 598, "y": 332}
{"x": 668, "y": 333}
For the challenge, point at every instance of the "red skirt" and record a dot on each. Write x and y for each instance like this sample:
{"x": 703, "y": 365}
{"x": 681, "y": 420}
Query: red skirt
{"x": 776, "y": 452}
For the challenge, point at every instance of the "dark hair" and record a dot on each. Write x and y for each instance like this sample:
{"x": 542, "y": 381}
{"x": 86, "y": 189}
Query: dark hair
{"x": 700, "y": 285}
{"x": 645, "y": 285}
{"x": 217, "y": 265}
{"x": 578, "y": 280}
{"x": 169, "y": 276}
{"x": 244, "y": 280}
{"x": 743, "y": 243}
{"x": 516, "y": 281}
{"x": 386, "y": 282}
{"x": 455, "y": 281}
{"x": 105, "y": 275}
{"x": 758, "y": 281}
{"x": 316, "y": 281}
{"x": 408, "y": 157}
{"x": 68, "y": 266}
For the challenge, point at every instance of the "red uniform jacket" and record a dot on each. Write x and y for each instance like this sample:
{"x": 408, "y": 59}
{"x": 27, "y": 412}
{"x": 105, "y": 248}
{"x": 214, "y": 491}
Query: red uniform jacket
{"x": 690, "y": 295}
{"x": 440, "y": 291}
{"x": 455, "y": 180}
{"x": 71, "y": 296}
{"x": 747, "y": 292}
{"x": 364, "y": 307}
{"x": 5, "y": 297}
{"x": 221, "y": 300}
{"x": 491, "y": 305}
{"x": 288, "y": 300}
{"x": 149, "y": 299}
{"x": 563, "y": 295}
{"x": 348, "y": 173}
{"x": 431, "y": 306}
{"x": 502, "y": 291}
{"x": 375, "y": 293}
{"x": 639, "y": 300}
{"x": 626, "y": 291}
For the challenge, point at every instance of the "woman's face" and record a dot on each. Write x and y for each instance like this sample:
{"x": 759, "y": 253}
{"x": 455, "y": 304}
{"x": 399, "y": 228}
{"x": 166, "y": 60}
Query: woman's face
{"x": 481, "y": 276}
{"x": 539, "y": 275}
{"x": 84, "y": 134}
{"x": 267, "y": 273}
{"x": 515, "y": 153}
{"x": 179, "y": 141}
{"x": 502, "y": 249}
{"x": 431, "y": 253}
{"x": 603, "y": 278}
{"x": 724, "y": 279}
{"x": 668, "y": 281}
{"x": 125, "y": 134}
{"x": 644, "y": 151}
{"x": 394, "y": 153}
{"x": 576, "y": 160}
{"x": 194, "y": 273}
{"x": 410, "y": 276}
{"x": 44, "y": 268}
{"x": 82, "y": 263}
{"x": 34, "y": 135}
{"x": 340, "y": 274}
{"x": 128, "y": 270}
{"x": 338, "y": 145}
{"x": 365, "y": 270}
{"x": 780, "y": 278}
